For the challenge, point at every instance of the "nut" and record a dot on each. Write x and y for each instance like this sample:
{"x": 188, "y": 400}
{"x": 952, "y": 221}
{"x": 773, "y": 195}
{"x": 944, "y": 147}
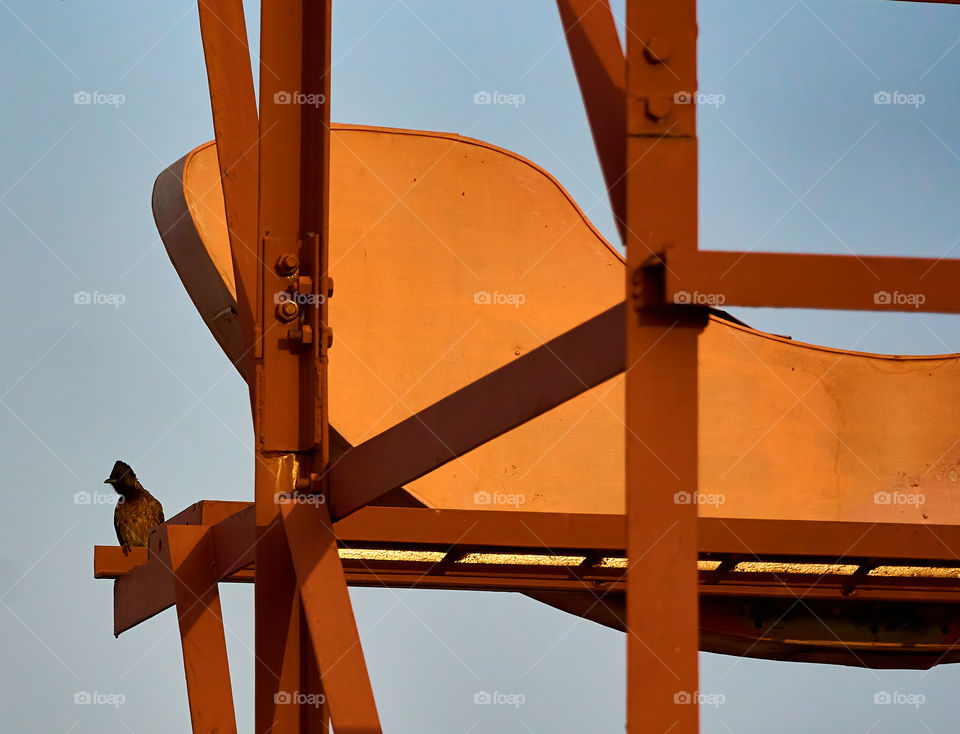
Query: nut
{"x": 287, "y": 311}
{"x": 287, "y": 263}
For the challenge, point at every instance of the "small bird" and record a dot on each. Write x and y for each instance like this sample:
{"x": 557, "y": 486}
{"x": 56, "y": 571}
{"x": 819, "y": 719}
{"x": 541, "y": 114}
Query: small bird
{"x": 138, "y": 512}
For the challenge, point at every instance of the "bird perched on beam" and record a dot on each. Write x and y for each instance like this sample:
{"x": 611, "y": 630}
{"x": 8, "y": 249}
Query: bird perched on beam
{"x": 138, "y": 512}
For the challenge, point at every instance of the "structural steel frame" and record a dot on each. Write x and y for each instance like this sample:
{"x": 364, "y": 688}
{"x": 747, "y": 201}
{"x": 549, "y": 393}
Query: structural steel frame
{"x": 274, "y": 167}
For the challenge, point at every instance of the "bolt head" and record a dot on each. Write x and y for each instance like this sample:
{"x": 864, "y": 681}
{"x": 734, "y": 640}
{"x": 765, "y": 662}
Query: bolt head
{"x": 657, "y": 50}
{"x": 302, "y": 336}
{"x": 658, "y": 107}
{"x": 305, "y": 284}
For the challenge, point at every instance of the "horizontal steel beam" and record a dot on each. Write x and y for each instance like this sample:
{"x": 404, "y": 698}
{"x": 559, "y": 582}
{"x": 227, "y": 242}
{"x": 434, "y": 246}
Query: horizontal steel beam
{"x": 786, "y": 280}
{"x": 747, "y": 537}
{"x": 833, "y": 540}
{"x": 144, "y": 586}
{"x": 534, "y": 578}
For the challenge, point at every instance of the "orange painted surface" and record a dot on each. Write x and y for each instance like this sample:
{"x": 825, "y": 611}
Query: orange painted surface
{"x": 421, "y": 222}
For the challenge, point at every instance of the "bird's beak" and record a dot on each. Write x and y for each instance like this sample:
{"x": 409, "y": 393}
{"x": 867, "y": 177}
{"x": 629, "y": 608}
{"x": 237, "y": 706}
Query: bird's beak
{"x": 109, "y": 481}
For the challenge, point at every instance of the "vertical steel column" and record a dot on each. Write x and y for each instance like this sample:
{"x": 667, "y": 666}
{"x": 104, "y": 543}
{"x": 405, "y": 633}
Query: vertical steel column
{"x": 290, "y": 347}
{"x": 661, "y": 377}
{"x": 277, "y": 631}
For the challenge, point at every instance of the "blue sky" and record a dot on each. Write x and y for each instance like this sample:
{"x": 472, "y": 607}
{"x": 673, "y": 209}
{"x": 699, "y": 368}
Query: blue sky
{"x": 797, "y": 158}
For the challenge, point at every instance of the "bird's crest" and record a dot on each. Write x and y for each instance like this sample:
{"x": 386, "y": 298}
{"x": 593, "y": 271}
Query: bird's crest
{"x": 121, "y": 470}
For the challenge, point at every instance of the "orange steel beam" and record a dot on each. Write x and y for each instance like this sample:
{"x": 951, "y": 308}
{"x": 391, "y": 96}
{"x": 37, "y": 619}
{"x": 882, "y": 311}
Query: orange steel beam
{"x": 329, "y": 617}
{"x": 188, "y": 553}
{"x": 815, "y": 281}
{"x": 398, "y": 527}
{"x": 662, "y": 607}
{"x": 235, "y": 123}
{"x": 519, "y": 391}
{"x": 235, "y": 540}
{"x": 315, "y": 229}
{"x": 315, "y": 714}
{"x": 290, "y": 394}
{"x": 535, "y": 577}
{"x": 277, "y": 643}
{"x": 143, "y": 587}
{"x": 661, "y": 375}
{"x": 601, "y": 73}
{"x": 147, "y": 590}
{"x": 420, "y": 527}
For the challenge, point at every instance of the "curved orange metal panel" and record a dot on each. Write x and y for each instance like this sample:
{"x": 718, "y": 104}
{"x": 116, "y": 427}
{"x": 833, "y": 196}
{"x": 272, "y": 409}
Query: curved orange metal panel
{"x": 424, "y": 226}
{"x": 409, "y": 318}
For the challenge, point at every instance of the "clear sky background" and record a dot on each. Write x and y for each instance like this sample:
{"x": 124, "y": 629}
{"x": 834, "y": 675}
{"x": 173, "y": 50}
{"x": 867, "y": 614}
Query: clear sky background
{"x": 797, "y": 158}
